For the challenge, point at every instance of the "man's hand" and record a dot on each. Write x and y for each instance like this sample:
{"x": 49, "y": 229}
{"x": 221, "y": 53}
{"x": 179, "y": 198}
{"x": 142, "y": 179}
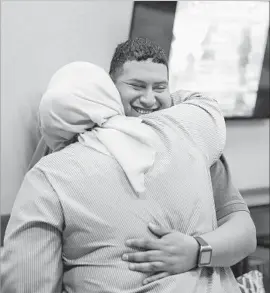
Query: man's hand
{"x": 173, "y": 253}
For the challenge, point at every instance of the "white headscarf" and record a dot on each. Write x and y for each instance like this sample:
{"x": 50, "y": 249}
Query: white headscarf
{"x": 82, "y": 99}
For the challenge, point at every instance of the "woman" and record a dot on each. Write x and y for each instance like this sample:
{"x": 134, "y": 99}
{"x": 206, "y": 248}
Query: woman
{"x": 78, "y": 206}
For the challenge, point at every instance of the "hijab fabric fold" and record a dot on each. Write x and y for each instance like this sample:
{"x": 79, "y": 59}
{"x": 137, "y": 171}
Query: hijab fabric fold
{"x": 82, "y": 99}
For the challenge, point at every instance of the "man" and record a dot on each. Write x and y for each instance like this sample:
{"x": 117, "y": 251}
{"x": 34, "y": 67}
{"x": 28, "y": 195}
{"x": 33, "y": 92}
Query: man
{"x": 78, "y": 206}
{"x": 139, "y": 70}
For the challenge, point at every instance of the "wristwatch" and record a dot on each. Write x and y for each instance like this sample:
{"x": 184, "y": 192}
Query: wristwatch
{"x": 205, "y": 252}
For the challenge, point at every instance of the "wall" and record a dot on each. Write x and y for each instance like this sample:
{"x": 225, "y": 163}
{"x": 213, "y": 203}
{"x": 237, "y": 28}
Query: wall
{"x": 39, "y": 37}
{"x": 247, "y": 151}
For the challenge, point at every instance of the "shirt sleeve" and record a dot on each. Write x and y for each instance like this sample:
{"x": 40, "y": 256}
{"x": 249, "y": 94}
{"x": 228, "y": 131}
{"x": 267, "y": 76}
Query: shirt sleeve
{"x": 32, "y": 252}
{"x": 226, "y": 195}
{"x": 199, "y": 119}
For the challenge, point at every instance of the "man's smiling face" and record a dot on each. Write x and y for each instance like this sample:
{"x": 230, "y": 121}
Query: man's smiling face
{"x": 143, "y": 86}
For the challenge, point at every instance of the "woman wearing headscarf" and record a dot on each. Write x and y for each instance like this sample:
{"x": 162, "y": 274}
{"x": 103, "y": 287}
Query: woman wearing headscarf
{"x": 107, "y": 178}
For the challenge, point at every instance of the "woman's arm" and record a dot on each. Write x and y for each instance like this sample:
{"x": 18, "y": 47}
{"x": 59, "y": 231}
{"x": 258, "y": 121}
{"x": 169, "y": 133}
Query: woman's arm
{"x": 199, "y": 122}
{"x": 32, "y": 252}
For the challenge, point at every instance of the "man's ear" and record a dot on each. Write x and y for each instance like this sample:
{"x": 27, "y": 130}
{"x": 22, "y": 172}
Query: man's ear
{"x": 114, "y": 77}
{"x": 111, "y": 75}
{"x": 116, "y": 74}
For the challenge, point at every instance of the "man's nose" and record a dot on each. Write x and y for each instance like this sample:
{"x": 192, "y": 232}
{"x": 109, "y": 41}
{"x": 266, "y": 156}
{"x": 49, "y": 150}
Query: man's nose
{"x": 148, "y": 99}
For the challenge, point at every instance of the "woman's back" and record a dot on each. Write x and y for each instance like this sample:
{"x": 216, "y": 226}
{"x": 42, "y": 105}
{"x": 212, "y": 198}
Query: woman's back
{"x": 76, "y": 207}
{"x": 101, "y": 211}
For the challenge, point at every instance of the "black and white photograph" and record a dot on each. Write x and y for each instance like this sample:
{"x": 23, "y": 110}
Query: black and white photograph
{"x": 135, "y": 146}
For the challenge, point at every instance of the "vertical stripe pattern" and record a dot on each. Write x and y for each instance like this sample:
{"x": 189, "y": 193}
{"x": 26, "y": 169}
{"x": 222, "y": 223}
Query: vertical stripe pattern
{"x": 76, "y": 209}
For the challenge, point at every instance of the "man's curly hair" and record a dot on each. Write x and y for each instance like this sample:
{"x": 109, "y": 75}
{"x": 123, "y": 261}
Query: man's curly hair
{"x": 138, "y": 49}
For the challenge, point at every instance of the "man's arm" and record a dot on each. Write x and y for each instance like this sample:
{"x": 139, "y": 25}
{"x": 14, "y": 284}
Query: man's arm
{"x": 235, "y": 238}
{"x": 32, "y": 253}
{"x": 227, "y": 197}
{"x": 232, "y": 241}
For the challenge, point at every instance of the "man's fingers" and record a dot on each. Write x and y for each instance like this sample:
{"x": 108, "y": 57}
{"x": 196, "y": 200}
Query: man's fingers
{"x": 155, "y": 277}
{"x": 144, "y": 244}
{"x": 147, "y": 267}
{"x": 145, "y": 256}
{"x": 158, "y": 230}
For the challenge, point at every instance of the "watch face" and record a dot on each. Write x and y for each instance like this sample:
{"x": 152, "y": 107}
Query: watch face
{"x": 205, "y": 257}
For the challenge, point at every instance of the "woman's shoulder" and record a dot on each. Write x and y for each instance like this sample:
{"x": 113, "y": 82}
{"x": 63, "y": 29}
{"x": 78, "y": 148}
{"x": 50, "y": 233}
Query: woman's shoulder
{"x": 57, "y": 160}
{"x": 75, "y": 158}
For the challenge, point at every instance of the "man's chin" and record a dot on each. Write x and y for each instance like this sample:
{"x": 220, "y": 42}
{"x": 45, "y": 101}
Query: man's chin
{"x": 134, "y": 113}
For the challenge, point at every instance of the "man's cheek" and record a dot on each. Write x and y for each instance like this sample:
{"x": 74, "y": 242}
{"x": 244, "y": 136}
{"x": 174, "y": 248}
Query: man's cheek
{"x": 166, "y": 101}
{"x": 128, "y": 109}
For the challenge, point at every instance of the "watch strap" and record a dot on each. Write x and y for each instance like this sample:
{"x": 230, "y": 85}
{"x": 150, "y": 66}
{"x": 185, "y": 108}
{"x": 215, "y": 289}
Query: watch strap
{"x": 201, "y": 241}
{"x": 204, "y": 247}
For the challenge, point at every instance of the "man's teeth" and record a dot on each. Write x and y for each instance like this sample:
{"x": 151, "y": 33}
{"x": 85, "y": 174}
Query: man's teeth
{"x": 143, "y": 111}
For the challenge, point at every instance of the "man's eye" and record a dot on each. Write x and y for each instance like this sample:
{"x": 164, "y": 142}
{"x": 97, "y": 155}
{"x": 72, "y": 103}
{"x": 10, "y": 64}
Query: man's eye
{"x": 160, "y": 88}
{"x": 136, "y": 86}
